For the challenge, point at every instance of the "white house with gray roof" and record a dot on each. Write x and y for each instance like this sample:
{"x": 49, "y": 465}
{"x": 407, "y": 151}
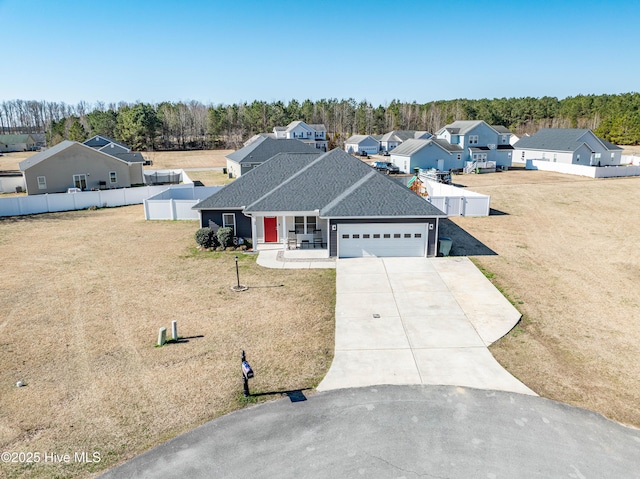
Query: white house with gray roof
{"x": 577, "y": 146}
{"x": 260, "y": 150}
{"x": 360, "y": 144}
{"x": 426, "y": 154}
{"x": 330, "y": 201}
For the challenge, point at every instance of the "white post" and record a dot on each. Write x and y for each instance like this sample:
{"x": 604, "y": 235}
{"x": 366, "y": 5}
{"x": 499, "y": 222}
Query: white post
{"x": 162, "y": 336}
{"x": 174, "y": 330}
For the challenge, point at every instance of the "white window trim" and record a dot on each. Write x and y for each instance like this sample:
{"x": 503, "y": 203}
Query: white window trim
{"x": 305, "y": 228}
{"x": 114, "y": 178}
{"x": 225, "y": 224}
{"x": 79, "y": 178}
{"x": 42, "y": 182}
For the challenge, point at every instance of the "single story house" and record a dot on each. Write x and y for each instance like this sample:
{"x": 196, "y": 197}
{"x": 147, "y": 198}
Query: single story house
{"x": 360, "y": 144}
{"x": 332, "y": 201}
{"x": 577, "y": 146}
{"x": 394, "y": 138}
{"x": 426, "y": 154}
{"x": 70, "y": 164}
{"x": 10, "y": 143}
{"x": 260, "y": 150}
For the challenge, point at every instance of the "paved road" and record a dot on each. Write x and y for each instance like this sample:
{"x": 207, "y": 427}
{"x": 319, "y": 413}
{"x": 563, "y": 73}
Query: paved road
{"x": 418, "y": 321}
{"x": 399, "y": 432}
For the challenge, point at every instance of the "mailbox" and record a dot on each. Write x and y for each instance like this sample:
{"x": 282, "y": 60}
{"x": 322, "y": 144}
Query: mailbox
{"x": 246, "y": 370}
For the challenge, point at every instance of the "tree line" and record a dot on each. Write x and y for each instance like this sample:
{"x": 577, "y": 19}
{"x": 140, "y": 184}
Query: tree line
{"x": 194, "y": 125}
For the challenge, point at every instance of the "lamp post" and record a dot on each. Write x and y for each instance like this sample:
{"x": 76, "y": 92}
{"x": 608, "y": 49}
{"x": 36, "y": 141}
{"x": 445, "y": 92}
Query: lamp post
{"x": 237, "y": 273}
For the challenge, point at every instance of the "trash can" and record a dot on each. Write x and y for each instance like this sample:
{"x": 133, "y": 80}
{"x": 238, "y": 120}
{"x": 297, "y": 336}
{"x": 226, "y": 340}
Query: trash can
{"x": 444, "y": 246}
{"x": 224, "y": 170}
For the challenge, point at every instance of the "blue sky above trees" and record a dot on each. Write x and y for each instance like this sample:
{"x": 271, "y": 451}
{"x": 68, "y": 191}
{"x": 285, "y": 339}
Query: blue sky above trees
{"x": 229, "y": 52}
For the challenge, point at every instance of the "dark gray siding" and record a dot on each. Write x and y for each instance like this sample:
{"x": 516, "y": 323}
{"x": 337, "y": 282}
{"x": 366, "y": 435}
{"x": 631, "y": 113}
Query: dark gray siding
{"x": 243, "y": 223}
{"x": 431, "y": 240}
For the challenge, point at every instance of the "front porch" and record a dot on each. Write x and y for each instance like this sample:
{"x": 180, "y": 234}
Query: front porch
{"x": 300, "y": 236}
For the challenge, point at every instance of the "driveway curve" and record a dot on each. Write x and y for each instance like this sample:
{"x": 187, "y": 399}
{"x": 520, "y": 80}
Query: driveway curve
{"x": 418, "y": 321}
{"x": 399, "y": 431}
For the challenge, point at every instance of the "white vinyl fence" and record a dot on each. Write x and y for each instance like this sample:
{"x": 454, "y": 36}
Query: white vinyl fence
{"x": 583, "y": 170}
{"x": 175, "y": 203}
{"x": 457, "y": 201}
{"x": 49, "y": 203}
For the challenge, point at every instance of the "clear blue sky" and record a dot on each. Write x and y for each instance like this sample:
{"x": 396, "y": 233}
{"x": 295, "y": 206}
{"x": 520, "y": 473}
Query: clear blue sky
{"x": 233, "y": 51}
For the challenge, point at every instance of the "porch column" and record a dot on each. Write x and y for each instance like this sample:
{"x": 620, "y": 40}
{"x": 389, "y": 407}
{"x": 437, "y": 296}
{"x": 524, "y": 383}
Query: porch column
{"x": 254, "y": 235}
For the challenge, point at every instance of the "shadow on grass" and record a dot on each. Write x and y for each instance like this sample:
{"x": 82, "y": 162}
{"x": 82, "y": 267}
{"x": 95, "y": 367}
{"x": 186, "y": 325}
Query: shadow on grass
{"x": 463, "y": 243}
{"x": 294, "y": 395}
{"x": 493, "y": 212}
{"x": 267, "y": 286}
{"x": 183, "y": 340}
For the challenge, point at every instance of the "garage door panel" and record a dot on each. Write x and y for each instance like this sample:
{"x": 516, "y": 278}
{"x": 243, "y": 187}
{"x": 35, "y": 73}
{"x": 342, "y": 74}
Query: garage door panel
{"x": 384, "y": 239}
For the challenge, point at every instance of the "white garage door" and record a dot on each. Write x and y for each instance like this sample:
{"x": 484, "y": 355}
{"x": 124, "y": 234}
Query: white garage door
{"x": 399, "y": 239}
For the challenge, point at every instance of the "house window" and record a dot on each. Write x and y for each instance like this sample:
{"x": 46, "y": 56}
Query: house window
{"x": 80, "y": 181}
{"x": 577, "y": 158}
{"x": 407, "y": 235}
{"x": 356, "y": 236}
{"x": 387, "y": 235}
{"x": 459, "y": 156}
{"x": 229, "y": 221}
{"x": 417, "y": 235}
{"x": 366, "y": 236}
{"x": 396, "y": 235}
{"x": 305, "y": 224}
{"x": 42, "y": 182}
{"x": 504, "y": 138}
{"x": 345, "y": 236}
{"x": 376, "y": 235}
{"x": 113, "y": 178}
{"x": 473, "y": 139}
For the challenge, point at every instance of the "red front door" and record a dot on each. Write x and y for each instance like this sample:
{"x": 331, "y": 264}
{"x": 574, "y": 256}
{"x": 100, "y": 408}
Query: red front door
{"x": 270, "y": 229}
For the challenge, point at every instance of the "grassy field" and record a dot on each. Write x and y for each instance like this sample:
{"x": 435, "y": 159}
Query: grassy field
{"x": 83, "y": 297}
{"x": 566, "y": 255}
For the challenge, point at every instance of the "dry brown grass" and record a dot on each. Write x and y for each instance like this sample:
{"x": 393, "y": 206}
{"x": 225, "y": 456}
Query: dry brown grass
{"x": 187, "y": 159}
{"x": 567, "y": 257}
{"x": 9, "y": 161}
{"x": 83, "y": 297}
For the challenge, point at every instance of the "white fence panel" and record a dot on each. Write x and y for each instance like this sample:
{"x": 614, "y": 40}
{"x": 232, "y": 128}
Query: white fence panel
{"x": 457, "y": 201}
{"x": 583, "y": 170}
{"x": 34, "y": 204}
{"x": 454, "y": 205}
{"x": 476, "y": 206}
{"x": 183, "y": 211}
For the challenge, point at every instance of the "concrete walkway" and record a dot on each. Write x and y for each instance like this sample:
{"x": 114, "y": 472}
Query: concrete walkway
{"x": 418, "y": 321}
{"x": 294, "y": 259}
{"x": 398, "y": 431}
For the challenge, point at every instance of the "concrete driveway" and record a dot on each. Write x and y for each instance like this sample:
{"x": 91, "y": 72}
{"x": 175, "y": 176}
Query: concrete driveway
{"x": 418, "y": 321}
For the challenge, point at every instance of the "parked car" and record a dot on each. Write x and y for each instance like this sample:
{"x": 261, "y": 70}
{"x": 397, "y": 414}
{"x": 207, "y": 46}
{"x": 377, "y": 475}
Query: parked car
{"x": 385, "y": 153}
{"x": 386, "y": 167}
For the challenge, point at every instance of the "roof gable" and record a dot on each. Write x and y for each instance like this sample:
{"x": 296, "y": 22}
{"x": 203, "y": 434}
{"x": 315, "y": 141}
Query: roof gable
{"x": 559, "y": 139}
{"x": 60, "y": 147}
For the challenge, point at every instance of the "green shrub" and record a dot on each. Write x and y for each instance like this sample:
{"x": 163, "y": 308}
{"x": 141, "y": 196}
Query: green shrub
{"x": 225, "y": 237}
{"x": 206, "y": 238}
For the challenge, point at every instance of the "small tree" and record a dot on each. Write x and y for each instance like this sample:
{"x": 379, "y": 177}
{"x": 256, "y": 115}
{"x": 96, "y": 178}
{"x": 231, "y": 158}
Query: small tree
{"x": 225, "y": 237}
{"x": 206, "y": 238}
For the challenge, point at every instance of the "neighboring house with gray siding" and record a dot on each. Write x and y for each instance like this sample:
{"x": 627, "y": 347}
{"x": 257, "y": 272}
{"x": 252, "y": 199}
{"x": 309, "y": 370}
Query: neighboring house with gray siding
{"x": 426, "y": 154}
{"x": 395, "y": 138}
{"x": 260, "y": 150}
{"x": 479, "y": 141}
{"x": 70, "y": 164}
{"x": 577, "y": 146}
{"x": 331, "y": 201}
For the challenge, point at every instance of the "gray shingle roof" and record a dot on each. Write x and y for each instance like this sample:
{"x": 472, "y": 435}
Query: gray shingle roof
{"x": 63, "y": 145}
{"x": 98, "y": 141}
{"x": 410, "y": 147}
{"x": 556, "y": 139}
{"x": 338, "y": 184}
{"x": 318, "y": 127}
{"x": 501, "y": 129}
{"x": 263, "y": 148}
{"x": 12, "y": 139}
{"x": 259, "y": 181}
{"x": 398, "y": 135}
